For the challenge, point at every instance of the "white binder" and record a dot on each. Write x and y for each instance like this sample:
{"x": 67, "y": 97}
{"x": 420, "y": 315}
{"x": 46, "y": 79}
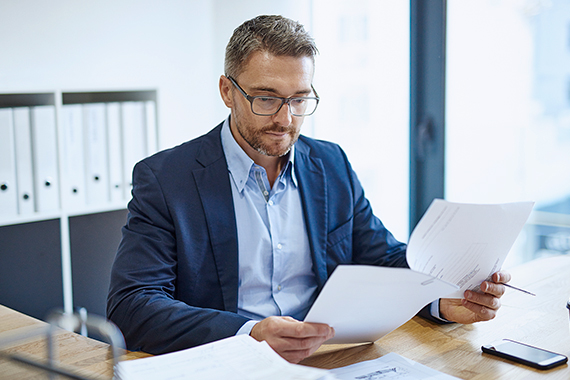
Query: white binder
{"x": 24, "y": 168}
{"x": 134, "y": 139}
{"x": 8, "y": 191}
{"x": 44, "y": 158}
{"x": 73, "y": 164}
{"x": 114, "y": 144}
{"x": 95, "y": 137}
{"x": 151, "y": 130}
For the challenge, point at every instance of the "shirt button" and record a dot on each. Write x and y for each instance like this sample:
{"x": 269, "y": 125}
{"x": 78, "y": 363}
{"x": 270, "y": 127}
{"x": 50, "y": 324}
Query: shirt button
{"x": 270, "y": 203}
{"x": 279, "y": 287}
{"x": 266, "y": 193}
{"x": 279, "y": 246}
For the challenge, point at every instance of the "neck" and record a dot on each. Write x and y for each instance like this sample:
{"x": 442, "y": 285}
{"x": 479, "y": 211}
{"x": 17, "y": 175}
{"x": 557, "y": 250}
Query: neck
{"x": 272, "y": 164}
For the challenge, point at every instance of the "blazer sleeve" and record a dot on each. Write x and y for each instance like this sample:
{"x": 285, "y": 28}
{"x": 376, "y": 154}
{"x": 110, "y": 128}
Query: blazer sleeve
{"x": 370, "y": 233}
{"x": 372, "y": 242}
{"x": 142, "y": 298}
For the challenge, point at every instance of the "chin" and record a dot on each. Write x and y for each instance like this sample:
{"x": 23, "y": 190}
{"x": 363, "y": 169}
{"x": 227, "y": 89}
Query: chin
{"x": 275, "y": 152}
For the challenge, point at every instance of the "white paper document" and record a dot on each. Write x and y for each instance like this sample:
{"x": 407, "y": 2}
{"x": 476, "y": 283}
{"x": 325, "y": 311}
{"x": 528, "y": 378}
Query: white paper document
{"x": 465, "y": 243}
{"x": 390, "y": 366}
{"x": 363, "y": 302}
{"x": 454, "y": 247}
{"x": 238, "y": 357}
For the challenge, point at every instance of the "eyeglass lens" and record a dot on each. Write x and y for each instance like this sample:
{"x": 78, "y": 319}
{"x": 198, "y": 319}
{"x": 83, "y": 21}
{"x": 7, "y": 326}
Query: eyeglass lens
{"x": 270, "y": 105}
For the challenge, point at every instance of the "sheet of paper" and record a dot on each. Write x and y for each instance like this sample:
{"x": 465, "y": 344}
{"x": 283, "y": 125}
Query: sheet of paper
{"x": 238, "y": 357}
{"x": 363, "y": 302}
{"x": 459, "y": 245}
{"x": 390, "y": 366}
{"x": 465, "y": 243}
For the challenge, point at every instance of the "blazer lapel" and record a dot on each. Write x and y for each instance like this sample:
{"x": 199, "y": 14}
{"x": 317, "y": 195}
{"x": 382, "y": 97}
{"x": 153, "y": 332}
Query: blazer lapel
{"x": 214, "y": 188}
{"x": 313, "y": 188}
{"x": 215, "y": 191}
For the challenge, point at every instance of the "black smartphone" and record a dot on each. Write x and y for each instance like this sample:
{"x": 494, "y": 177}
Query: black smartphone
{"x": 525, "y": 354}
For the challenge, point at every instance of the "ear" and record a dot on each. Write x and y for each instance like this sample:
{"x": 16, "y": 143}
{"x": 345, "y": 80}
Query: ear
{"x": 226, "y": 91}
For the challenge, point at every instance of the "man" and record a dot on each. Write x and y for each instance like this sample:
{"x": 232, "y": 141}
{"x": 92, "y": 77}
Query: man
{"x": 238, "y": 230}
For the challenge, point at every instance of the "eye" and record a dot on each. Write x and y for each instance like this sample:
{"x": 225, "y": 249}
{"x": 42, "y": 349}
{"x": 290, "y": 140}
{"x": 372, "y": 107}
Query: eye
{"x": 266, "y": 99}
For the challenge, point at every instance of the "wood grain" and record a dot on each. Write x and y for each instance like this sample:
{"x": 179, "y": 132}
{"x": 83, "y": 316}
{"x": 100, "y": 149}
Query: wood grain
{"x": 88, "y": 357}
{"x": 455, "y": 349}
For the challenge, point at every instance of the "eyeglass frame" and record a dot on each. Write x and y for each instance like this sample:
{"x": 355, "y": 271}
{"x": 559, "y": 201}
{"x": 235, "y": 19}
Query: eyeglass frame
{"x": 250, "y": 99}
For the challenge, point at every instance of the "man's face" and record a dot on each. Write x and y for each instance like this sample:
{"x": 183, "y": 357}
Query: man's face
{"x": 270, "y": 75}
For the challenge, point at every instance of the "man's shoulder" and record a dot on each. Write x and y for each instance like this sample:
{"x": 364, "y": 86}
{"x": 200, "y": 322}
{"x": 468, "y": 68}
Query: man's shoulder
{"x": 319, "y": 148}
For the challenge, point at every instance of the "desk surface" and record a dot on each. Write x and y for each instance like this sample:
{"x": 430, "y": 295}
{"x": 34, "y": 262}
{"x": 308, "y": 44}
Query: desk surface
{"x": 454, "y": 349}
{"x": 90, "y": 357}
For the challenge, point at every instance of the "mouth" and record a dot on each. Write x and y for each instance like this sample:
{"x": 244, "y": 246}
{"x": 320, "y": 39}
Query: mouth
{"x": 276, "y": 133}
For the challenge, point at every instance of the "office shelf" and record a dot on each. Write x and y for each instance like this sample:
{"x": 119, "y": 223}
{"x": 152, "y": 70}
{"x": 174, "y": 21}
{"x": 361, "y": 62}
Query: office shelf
{"x": 58, "y": 241}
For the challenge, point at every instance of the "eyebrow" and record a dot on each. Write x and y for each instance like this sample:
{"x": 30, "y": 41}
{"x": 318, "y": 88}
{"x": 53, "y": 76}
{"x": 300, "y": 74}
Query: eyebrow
{"x": 269, "y": 89}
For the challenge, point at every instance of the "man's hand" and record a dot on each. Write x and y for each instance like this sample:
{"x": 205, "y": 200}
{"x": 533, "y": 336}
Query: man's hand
{"x": 292, "y": 339}
{"x": 476, "y": 307}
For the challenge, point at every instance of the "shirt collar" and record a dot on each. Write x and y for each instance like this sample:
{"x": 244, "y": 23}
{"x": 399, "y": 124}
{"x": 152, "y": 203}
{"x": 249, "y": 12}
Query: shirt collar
{"x": 240, "y": 164}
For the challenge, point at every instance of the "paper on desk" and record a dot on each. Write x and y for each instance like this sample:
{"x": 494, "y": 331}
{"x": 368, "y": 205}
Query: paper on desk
{"x": 392, "y": 366}
{"x": 238, "y": 357}
{"x": 465, "y": 243}
{"x": 363, "y": 302}
{"x": 454, "y": 247}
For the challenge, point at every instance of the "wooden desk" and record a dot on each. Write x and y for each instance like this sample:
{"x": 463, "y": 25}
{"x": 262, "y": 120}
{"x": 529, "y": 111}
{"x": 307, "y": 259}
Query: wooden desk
{"x": 454, "y": 349}
{"x": 91, "y": 357}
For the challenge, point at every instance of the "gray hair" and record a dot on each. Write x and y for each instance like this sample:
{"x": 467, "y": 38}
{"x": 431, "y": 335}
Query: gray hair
{"x": 277, "y": 35}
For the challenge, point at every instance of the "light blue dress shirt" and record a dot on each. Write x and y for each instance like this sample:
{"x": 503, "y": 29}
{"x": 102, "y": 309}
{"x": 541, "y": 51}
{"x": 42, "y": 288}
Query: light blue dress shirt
{"x": 275, "y": 266}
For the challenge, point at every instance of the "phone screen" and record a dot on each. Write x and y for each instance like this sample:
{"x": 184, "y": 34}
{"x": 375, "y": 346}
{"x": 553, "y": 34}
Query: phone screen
{"x": 525, "y": 353}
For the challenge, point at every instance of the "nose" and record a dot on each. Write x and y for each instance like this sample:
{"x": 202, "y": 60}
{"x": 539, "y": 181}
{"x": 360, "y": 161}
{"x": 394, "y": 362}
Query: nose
{"x": 283, "y": 117}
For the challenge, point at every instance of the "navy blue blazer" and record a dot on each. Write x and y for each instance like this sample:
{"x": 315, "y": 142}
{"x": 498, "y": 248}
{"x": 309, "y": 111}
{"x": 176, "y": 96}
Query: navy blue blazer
{"x": 174, "y": 282}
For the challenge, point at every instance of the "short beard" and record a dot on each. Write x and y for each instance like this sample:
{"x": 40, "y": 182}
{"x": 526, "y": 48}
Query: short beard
{"x": 256, "y": 143}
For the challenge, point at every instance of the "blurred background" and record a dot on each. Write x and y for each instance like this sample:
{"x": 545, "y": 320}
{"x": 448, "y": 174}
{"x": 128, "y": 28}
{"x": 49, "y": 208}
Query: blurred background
{"x": 507, "y": 87}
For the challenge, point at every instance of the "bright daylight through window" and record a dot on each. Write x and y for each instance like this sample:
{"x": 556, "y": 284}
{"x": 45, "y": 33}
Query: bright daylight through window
{"x": 508, "y": 113}
{"x": 362, "y": 76}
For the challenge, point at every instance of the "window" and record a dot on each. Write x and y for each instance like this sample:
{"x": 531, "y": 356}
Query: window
{"x": 362, "y": 75}
{"x": 508, "y": 114}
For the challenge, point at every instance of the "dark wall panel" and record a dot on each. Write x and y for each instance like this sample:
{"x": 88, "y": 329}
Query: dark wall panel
{"x": 94, "y": 241}
{"x": 30, "y": 267}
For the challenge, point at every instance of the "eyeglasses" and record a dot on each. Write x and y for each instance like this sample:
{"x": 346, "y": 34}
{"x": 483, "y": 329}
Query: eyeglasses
{"x": 270, "y": 105}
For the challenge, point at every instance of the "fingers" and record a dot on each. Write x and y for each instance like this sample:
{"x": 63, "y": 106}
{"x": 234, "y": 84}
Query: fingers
{"x": 480, "y": 313}
{"x": 300, "y": 342}
{"x": 292, "y": 339}
{"x": 494, "y": 286}
{"x": 483, "y": 306}
{"x": 501, "y": 277}
{"x": 486, "y": 300}
{"x": 477, "y": 306}
{"x": 494, "y": 289}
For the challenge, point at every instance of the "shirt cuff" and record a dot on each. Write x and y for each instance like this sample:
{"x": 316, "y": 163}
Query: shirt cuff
{"x": 246, "y": 327}
{"x": 434, "y": 311}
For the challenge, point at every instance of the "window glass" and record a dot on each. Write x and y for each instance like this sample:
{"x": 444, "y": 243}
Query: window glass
{"x": 362, "y": 77}
{"x": 508, "y": 113}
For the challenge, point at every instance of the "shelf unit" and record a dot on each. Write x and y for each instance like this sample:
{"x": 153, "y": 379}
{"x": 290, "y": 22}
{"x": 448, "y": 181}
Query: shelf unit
{"x": 61, "y": 258}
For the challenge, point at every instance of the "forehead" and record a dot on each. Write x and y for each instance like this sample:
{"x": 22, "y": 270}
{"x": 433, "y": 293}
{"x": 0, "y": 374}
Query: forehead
{"x": 281, "y": 73}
